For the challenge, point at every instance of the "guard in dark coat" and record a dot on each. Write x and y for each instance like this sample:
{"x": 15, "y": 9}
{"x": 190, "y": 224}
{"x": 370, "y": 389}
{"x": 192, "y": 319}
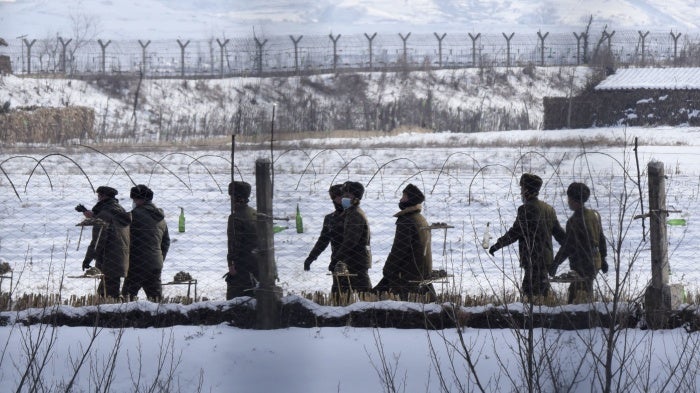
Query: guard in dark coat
{"x": 354, "y": 251}
{"x": 332, "y": 230}
{"x": 585, "y": 245}
{"x": 534, "y": 226}
{"x": 410, "y": 260}
{"x": 242, "y": 273}
{"x": 109, "y": 246}
{"x": 150, "y": 242}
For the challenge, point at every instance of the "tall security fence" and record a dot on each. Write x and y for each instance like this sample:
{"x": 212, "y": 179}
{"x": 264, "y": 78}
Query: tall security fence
{"x": 467, "y": 190}
{"x": 304, "y": 54}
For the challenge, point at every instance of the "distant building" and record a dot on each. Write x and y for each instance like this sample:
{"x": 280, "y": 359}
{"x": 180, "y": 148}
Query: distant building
{"x": 631, "y": 96}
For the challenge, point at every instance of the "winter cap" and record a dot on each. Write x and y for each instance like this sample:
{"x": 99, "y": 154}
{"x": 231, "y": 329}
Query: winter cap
{"x": 414, "y": 194}
{"x": 578, "y": 192}
{"x": 107, "y": 191}
{"x": 354, "y": 188}
{"x": 239, "y": 190}
{"x": 531, "y": 183}
{"x": 141, "y": 191}
{"x": 336, "y": 190}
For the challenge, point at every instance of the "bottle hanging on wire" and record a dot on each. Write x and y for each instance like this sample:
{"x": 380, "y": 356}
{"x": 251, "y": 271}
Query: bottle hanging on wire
{"x": 300, "y": 222}
{"x": 181, "y": 221}
{"x": 487, "y": 237}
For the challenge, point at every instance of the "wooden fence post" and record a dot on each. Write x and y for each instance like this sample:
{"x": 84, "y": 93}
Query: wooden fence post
{"x": 267, "y": 295}
{"x": 660, "y": 298}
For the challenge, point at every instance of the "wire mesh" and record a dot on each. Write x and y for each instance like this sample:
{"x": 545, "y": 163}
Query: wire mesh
{"x": 465, "y": 188}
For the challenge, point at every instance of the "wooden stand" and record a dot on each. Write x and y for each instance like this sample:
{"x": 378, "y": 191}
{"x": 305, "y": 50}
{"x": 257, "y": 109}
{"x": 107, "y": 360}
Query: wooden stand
{"x": 189, "y": 284}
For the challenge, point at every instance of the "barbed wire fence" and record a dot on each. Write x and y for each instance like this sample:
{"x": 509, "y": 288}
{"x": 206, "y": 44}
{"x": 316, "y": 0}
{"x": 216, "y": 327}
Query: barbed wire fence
{"x": 308, "y": 54}
{"x": 466, "y": 190}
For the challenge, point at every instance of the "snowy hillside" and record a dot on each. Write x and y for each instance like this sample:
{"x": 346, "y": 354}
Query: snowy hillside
{"x": 446, "y": 100}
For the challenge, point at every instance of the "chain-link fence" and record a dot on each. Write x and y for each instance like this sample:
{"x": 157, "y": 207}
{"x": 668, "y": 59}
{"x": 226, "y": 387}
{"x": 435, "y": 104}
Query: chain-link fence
{"x": 285, "y": 55}
{"x": 465, "y": 188}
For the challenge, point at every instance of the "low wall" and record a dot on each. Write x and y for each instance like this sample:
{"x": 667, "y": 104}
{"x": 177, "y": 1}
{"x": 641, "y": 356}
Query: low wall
{"x": 627, "y": 107}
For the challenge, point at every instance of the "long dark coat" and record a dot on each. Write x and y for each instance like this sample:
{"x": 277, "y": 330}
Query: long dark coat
{"x": 410, "y": 258}
{"x": 355, "y": 247}
{"x": 533, "y": 229}
{"x": 243, "y": 240}
{"x": 331, "y": 233}
{"x": 585, "y": 243}
{"x": 110, "y": 248}
{"x": 150, "y": 240}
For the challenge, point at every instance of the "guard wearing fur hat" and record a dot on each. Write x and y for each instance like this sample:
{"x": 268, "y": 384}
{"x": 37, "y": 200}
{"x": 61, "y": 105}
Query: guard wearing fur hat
{"x": 242, "y": 241}
{"x": 109, "y": 246}
{"x": 535, "y": 224}
{"x": 354, "y": 250}
{"x": 585, "y": 245}
{"x": 150, "y": 242}
{"x": 410, "y": 260}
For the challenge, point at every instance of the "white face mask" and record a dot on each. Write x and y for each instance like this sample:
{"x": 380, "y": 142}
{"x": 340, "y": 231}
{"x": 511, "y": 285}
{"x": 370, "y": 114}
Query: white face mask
{"x": 133, "y": 205}
{"x": 346, "y": 202}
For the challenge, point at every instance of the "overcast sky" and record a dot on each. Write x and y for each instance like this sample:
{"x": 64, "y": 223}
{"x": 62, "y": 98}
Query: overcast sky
{"x": 160, "y": 19}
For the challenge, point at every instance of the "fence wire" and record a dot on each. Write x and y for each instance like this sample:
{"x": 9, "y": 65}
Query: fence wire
{"x": 465, "y": 188}
{"x": 283, "y": 55}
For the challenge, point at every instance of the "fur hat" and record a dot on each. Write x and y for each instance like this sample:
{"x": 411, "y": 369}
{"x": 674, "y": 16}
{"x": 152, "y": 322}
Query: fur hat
{"x": 531, "y": 183}
{"x": 578, "y": 192}
{"x": 107, "y": 191}
{"x": 336, "y": 190}
{"x": 414, "y": 194}
{"x": 239, "y": 190}
{"x": 354, "y": 188}
{"x": 141, "y": 191}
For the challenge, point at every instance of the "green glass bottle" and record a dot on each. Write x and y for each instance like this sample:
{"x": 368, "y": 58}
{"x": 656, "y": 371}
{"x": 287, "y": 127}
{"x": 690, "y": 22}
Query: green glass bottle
{"x": 300, "y": 222}
{"x": 676, "y": 222}
{"x": 181, "y": 221}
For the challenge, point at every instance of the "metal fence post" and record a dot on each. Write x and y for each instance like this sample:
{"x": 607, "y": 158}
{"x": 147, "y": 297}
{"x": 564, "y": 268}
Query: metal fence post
{"x": 474, "y": 38}
{"x": 182, "y": 56}
{"x": 370, "y": 38}
{"x": 335, "y": 49}
{"x": 440, "y": 38}
{"x": 143, "y": 55}
{"x": 29, "y": 54}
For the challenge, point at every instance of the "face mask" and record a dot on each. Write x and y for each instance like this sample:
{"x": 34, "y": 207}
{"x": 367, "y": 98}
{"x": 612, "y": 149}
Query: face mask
{"x": 133, "y": 205}
{"x": 346, "y": 202}
{"x": 403, "y": 205}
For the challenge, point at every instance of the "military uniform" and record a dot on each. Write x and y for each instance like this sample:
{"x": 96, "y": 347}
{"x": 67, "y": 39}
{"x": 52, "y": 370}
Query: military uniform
{"x": 410, "y": 260}
{"x": 242, "y": 242}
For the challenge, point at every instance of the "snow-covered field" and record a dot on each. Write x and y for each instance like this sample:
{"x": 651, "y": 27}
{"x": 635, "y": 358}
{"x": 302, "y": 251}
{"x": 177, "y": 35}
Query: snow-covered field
{"x": 469, "y": 180}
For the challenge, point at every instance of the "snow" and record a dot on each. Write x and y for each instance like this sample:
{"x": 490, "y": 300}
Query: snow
{"x": 222, "y": 358}
{"x": 652, "y": 78}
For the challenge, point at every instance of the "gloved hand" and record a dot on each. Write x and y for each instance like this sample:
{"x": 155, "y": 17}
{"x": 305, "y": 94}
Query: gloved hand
{"x": 493, "y": 250}
{"x": 307, "y": 264}
{"x": 228, "y": 277}
{"x": 86, "y": 265}
{"x": 604, "y": 266}
{"x": 331, "y": 266}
